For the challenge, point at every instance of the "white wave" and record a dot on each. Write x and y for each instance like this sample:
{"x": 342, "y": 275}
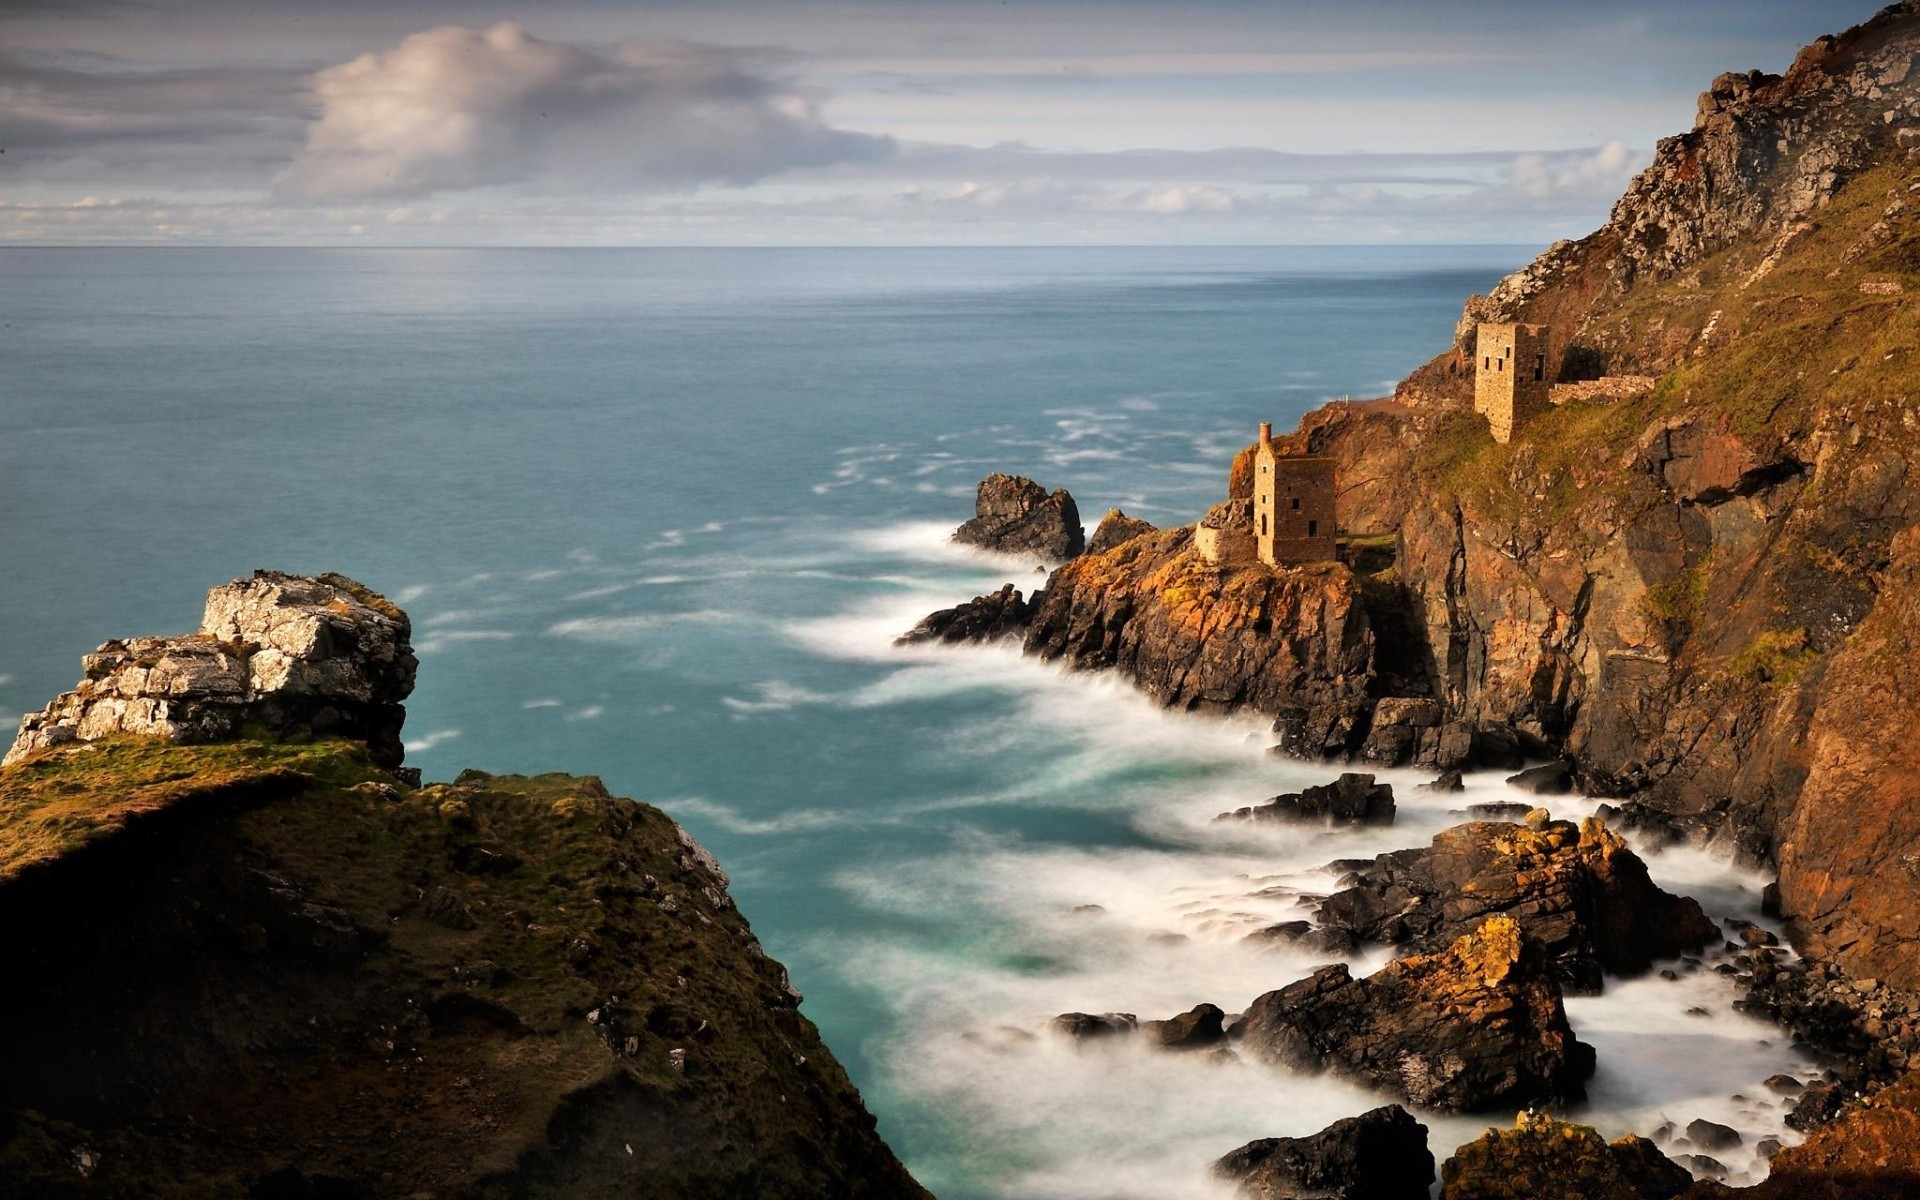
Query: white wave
{"x": 545, "y": 702}
{"x": 728, "y": 817}
{"x": 428, "y": 741}
{"x": 407, "y": 595}
{"x": 591, "y": 712}
{"x": 440, "y": 639}
{"x": 622, "y": 628}
{"x": 775, "y": 696}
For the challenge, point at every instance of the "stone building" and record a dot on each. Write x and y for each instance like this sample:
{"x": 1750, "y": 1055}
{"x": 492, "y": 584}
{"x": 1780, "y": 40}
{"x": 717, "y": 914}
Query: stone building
{"x": 1293, "y": 519}
{"x": 1513, "y": 379}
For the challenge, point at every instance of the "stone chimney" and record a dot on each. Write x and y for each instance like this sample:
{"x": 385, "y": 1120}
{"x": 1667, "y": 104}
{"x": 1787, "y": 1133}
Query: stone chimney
{"x": 1266, "y": 433}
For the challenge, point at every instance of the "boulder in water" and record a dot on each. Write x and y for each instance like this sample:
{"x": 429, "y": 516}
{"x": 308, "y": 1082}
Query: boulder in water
{"x": 1541, "y": 1157}
{"x": 1004, "y": 613}
{"x": 1015, "y": 515}
{"x": 1378, "y": 1155}
{"x": 1352, "y": 799}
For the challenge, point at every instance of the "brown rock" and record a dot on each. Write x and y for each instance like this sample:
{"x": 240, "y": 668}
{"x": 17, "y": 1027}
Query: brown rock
{"x": 1478, "y": 1026}
{"x": 1542, "y": 1157}
{"x": 1116, "y": 528}
{"x": 1378, "y": 1155}
{"x": 1015, "y": 515}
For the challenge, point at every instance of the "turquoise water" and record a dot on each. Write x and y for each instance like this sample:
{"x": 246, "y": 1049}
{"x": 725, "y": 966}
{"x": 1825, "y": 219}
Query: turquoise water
{"x": 658, "y": 514}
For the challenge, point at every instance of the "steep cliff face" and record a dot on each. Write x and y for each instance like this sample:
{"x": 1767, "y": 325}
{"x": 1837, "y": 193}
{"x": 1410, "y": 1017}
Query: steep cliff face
{"x": 1297, "y": 643}
{"x": 261, "y": 966}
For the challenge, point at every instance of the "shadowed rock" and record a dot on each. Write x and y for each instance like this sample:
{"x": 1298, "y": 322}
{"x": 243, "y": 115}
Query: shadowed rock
{"x": 1378, "y": 1155}
{"x": 1115, "y": 528}
{"x": 1353, "y": 799}
{"x": 982, "y": 619}
{"x": 1478, "y": 1026}
{"x": 1199, "y": 1027}
{"x": 1015, "y": 515}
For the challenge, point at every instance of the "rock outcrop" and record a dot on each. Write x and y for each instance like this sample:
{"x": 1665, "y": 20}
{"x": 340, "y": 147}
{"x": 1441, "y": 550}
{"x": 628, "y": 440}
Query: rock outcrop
{"x": 292, "y": 654}
{"x": 1541, "y": 1156}
{"x": 1296, "y": 643}
{"x": 1870, "y": 1153}
{"x": 262, "y": 967}
{"x": 1378, "y": 1155}
{"x": 1116, "y": 527}
{"x": 1352, "y": 799}
{"x": 1578, "y": 891}
{"x": 987, "y": 618}
{"x": 1015, "y": 515}
{"x": 1477, "y": 1026}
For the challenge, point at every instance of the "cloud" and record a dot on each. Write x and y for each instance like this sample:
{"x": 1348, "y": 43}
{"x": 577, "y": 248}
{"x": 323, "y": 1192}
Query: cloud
{"x": 1601, "y": 174}
{"x": 454, "y": 108}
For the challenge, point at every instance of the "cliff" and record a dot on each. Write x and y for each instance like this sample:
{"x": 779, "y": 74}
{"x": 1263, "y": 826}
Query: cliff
{"x": 1694, "y": 576}
{"x": 261, "y": 965}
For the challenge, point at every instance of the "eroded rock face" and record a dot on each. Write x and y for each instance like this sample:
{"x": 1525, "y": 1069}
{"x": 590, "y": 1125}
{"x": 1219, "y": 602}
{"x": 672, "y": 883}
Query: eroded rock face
{"x": 1577, "y": 890}
{"x": 291, "y": 653}
{"x": 1196, "y": 637}
{"x": 1480, "y": 1025}
{"x": 1541, "y": 1157}
{"x": 1116, "y": 527}
{"x": 1378, "y": 1155}
{"x": 1000, "y": 614}
{"x": 1015, "y": 515}
{"x": 1352, "y": 799}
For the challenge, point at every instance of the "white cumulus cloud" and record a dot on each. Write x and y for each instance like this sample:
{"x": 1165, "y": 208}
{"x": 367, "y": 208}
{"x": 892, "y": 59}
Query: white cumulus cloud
{"x": 453, "y": 108}
{"x": 1600, "y": 174}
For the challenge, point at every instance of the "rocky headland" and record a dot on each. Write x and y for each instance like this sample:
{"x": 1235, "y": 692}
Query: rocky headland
{"x": 249, "y": 958}
{"x": 1691, "y": 584}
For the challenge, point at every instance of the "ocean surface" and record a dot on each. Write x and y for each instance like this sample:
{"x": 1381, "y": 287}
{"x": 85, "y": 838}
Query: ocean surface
{"x": 658, "y": 515}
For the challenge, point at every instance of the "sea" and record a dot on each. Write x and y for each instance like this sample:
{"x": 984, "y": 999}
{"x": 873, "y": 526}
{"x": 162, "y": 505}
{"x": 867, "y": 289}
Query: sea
{"x": 659, "y": 514}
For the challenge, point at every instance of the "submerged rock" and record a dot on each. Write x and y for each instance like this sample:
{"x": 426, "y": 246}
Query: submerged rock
{"x": 1353, "y": 799}
{"x": 291, "y": 654}
{"x": 1116, "y": 528}
{"x": 1579, "y": 891}
{"x": 1087, "y": 1027}
{"x": 1477, "y": 1026}
{"x": 1551, "y": 779}
{"x": 982, "y": 619}
{"x": 1015, "y": 515}
{"x": 1378, "y": 1155}
{"x": 1542, "y": 1157}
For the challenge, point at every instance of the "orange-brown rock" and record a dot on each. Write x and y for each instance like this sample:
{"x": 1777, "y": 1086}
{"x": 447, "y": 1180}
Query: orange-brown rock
{"x": 1480, "y": 1025}
{"x": 1577, "y": 890}
{"x": 1871, "y": 1153}
{"x": 1541, "y": 1157}
{"x": 1216, "y": 639}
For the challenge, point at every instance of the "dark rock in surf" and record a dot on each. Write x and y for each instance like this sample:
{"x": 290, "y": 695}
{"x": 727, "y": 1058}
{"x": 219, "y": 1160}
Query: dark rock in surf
{"x": 1353, "y": 799}
{"x": 1551, "y": 779}
{"x": 1446, "y": 781}
{"x": 1711, "y": 1135}
{"x": 982, "y": 619}
{"x": 1199, "y": 1027}
{"x": 1091, "y": 1027}
{"x": 1378, "y": 1155}
{"x": 1015, "y": 515}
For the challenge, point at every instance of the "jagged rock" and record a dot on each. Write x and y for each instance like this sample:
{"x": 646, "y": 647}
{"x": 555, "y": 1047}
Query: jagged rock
{"x": 1197, "y": 1028}
{"x": 1015, "y": 515}
{"x": 1353, "y": 799}
{"x": 1116, "y": 527}
{"x": 293, "y": 654}
{"x": 1550, "y": 779}
{"x": 1196, "y": 637}
{"x": 1477, "y": 1026}
{"x": 1499, "y": 810}
{"x": 982, "y": 619}
{"x": 1378, "y": 1155}
{"x": 1579, "y": 891}
{"x": 1336, "y": 943}
{"x": 1401, "y": 728}
{"x": 1447, "y": 781}
{"x": 1089, "y": 1027}
{"x": 1542, "y": 1157}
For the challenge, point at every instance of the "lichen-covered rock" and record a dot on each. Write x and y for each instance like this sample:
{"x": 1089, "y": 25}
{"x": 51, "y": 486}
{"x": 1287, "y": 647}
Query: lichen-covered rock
{"x": 1579, "y": 891}
{"x": 1378, "y": 1155}
{"x": 1000, "y": 614}
{"x": 292, "y": 654}
{"x": 1352, "y": 799}
{"x": 1114, "y": 528}
{"x": 1015, "y": 515}
{"x": 1541, "y": 1157}
{"x": 1480, "y": 1025}
{"x": 1293, "y": 642}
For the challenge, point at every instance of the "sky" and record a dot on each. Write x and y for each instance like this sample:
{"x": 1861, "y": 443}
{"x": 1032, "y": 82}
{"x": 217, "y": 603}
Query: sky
{"x": 851, "y": 122}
